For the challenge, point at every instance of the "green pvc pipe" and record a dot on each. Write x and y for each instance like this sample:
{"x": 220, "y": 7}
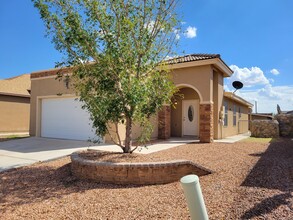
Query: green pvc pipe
{"x": 194, "y": 198}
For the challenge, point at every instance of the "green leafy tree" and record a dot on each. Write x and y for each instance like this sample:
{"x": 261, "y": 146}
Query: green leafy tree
{"x": 115, "y": 49}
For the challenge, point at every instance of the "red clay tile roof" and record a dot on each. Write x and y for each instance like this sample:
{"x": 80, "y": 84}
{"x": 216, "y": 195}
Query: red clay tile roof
{"x": 192, "y": 57}
{"x": 176, "y": 60}
{"x": 16, "y": 85}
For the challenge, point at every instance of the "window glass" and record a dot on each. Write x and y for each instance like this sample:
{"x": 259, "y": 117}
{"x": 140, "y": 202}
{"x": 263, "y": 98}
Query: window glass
{"x": 234, "y": 115}
{"x": 190, "y": 113}
{"x": 239, "y": 112}
{"x": 226, "y": 113}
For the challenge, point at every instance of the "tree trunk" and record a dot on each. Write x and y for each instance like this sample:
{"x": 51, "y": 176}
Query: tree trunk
{"x": 128, "y": 137}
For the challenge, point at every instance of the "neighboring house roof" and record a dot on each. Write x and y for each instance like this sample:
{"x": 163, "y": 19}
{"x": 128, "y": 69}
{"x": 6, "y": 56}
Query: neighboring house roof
{"x": 266, "y": 114}
{"x": 16, "y": 86}
{"x": 198, "y": 59}
{"x": 238, "y": 99}
{"x": 263, "y": 115}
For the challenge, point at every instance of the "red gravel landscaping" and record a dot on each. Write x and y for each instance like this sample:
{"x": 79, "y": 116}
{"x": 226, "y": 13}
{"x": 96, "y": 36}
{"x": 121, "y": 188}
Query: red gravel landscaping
{"x": 250, "y": 181}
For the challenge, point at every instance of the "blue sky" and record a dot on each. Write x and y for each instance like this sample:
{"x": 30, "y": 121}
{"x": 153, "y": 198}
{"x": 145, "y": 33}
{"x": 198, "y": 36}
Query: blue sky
{"x": 255, "y": 38}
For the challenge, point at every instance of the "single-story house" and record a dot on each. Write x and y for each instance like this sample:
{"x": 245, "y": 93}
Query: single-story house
{"x": 205, "y": 111}
{"x": 15, "y": 104}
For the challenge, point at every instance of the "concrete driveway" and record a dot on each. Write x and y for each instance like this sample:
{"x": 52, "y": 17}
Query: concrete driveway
{"x": 25, "y": 151}
{"x": 22, "y": 152}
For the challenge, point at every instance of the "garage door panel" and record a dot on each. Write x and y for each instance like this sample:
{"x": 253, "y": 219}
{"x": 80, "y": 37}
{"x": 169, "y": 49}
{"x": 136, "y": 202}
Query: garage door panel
{"x": 64, "y": 118}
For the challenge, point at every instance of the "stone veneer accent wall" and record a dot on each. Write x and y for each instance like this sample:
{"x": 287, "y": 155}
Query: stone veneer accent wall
{"x": 134, "y": 173}
{"x": 264, "y": 128}
{"x": 285, "y": 124}
{"x": 164, "y": 126}
{"x": 206, "y": 127}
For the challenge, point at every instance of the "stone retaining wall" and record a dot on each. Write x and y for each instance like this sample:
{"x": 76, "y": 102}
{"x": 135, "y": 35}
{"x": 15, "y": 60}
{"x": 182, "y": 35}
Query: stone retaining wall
{"x": 264, "y": 128}
{"x": 285, "y": 124}
{"x": 134, "y": 173}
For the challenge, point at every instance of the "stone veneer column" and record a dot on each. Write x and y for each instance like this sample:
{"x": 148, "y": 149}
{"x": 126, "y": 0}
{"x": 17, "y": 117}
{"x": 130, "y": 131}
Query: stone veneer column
{"x": 206, "y": 123}
{"x": 164, "y": 126}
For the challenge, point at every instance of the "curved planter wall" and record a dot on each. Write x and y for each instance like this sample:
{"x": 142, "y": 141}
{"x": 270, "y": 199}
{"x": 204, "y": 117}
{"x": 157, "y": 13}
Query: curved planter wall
{"x": 134, "y": 173}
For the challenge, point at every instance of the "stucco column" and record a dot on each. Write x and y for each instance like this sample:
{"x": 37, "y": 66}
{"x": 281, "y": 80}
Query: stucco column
{"x": 206, "y": 123}
{"x": 164, "y": 126}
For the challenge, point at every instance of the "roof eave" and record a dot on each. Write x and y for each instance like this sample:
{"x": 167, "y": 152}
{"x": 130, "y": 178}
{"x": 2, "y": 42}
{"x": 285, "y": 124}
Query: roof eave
{"x": 15, "y": 94}
{"x": 238, "y": 99}
{"x": 218, "y": 62}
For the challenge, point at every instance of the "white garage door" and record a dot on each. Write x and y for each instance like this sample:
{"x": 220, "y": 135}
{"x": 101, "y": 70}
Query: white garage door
{"x": 64, "y": 118}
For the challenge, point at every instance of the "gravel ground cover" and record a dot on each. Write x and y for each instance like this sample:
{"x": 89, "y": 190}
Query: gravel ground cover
{"x": 250, "y": 181}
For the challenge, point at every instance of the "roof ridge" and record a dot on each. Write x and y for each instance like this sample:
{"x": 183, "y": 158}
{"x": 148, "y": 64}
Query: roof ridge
{"x": 192, "y": 57}
{"x": 206, "y": 54}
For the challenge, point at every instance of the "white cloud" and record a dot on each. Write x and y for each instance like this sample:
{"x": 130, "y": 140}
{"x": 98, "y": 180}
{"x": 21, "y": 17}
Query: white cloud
{"x": 227, "y": 89}
{"x": 275, "y": 72}
{"x": 267, "y": 98}
{"x": 190, "y": 32}
{"x": 150, "y": 25}
{"x": 270, "y": 91}
{"x": 271, "y": 80}
{"x": 249, "y": 76}
{"x": 177, "y": 33}
{"x": 257, "y": 87}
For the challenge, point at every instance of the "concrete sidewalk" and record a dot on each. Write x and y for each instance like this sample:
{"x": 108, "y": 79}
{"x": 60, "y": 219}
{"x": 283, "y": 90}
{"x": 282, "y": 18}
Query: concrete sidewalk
{"x": 233, "y": 139}
{"x": 155, "y": 146}
{"x": 26, "y": 151}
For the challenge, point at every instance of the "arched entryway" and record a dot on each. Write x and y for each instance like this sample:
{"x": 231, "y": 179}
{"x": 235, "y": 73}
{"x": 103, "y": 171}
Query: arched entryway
{"x": 185, "y": 112}
{"x": 189, "y": 115}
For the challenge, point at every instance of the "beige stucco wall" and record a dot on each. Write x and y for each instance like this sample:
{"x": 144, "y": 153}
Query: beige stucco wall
{"x": 176, "y": 110}
{"x": 204, "y": 83}
{"x": 241, "y": 122}
{"x": 199, "y": 78}
{"x": 14, "y": 114}
{"x": 218, "y": 92}
{"x": 49, "y": 87}
{"x": 208, "y": 83}
{"x": 136, "y": 131}
{"x": 43, "y": 87}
